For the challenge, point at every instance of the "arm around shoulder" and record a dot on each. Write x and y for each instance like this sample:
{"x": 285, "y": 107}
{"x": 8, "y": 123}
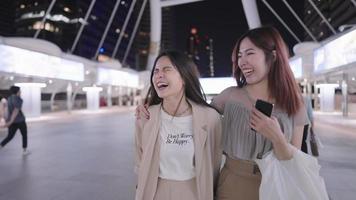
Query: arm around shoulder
{"x": 138, "y": 144}
{"x": 218, "y": 101}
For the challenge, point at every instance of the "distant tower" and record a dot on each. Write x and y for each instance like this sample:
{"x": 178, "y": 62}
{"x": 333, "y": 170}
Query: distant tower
{"x": 193, "y": 45}
{"x": 211, "y": 58}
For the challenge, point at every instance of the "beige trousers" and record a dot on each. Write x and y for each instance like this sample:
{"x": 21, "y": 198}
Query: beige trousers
{"x": 239, "y": 180}
{"x": 176, "y": 190}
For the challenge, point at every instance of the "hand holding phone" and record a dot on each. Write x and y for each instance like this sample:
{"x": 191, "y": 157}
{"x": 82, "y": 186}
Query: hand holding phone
{"x": 264, "y": 107}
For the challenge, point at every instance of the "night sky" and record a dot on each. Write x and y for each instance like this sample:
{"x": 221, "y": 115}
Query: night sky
{"x": 224, "y": 21}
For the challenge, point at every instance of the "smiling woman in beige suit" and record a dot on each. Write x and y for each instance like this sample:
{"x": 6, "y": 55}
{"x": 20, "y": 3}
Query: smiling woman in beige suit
{"x": 178, "y": 150}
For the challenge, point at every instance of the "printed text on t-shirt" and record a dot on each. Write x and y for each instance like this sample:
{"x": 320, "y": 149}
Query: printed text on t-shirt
{"x": 180, "y": 139}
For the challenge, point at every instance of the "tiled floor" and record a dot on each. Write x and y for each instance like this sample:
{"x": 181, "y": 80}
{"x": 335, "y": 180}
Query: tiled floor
{"x": 89, "y": 156}
{"x": 338, "y": 156}
{"x": 85, "y": 156}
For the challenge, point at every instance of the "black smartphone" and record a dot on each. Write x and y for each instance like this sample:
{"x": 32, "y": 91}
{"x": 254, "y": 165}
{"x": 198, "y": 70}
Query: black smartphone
{"x": 264, "y": 107}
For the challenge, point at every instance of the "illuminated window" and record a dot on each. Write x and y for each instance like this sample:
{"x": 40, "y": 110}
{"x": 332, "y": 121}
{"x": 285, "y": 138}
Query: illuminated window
{"x": 47, "y": 26}
{"x": 38, "y": 25}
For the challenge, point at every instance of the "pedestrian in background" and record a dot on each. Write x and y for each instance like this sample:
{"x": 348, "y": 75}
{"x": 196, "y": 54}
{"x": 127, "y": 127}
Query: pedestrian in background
{"x": 15, "y": 119}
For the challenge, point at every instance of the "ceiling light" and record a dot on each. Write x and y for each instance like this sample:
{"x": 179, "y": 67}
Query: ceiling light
{"x": 66, "y": 9}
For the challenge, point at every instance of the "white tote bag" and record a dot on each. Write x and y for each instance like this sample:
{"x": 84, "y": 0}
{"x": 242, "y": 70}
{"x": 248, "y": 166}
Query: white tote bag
{"x": 294, "y": 179}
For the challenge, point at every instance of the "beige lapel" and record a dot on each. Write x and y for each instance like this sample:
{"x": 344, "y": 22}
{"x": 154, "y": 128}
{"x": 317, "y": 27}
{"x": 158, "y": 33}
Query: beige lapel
{"x": 151, "y": 152}
{"x": 153, "y": 126}
{"x": 200, "y": 134}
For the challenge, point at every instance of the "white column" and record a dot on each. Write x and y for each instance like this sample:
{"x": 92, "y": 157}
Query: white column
{"x": 53, "y": 95}
{"x": 156, "y": 29}
{"x": 120, "y": 96}
{"x": 92, "y": 94}
{"x": 69, "y": 97}
{"x": 251, "y": 13}
{"x": 327, "y": 97}
{"x": 135, "y": 99}
{"x": 109, "y": 96}
{"x": 128, "y": 92}
{"x": 31, "y": 95}
{"x": 344, "y": 104}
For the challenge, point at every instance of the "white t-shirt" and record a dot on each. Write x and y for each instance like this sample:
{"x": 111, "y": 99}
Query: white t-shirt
{"x": 177, "y": 148}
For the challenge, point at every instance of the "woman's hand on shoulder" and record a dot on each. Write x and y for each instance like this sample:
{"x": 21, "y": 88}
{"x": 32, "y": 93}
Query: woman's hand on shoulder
{"x": 219, "y": 100}
{"x": 141, "y": 112}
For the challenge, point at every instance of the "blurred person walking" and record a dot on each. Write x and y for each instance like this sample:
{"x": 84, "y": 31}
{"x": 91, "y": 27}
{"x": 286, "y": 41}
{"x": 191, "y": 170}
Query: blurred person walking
{"x": 15, "y": 119}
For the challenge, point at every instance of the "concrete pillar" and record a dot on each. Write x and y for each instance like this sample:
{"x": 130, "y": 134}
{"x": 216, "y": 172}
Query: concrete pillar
{"x": 251, "y": 13}
{"x": 128, "y": 93}
{"x": 53, "y": 95}
{"x": 120, "y": 96}
{"x": 31, "y": 95}
{"x": 93, "y": 98}
{"x": 344, "y": 88}
{"x": 69, "y": 97}
{"x": 327, "y": 97}
{"x": 156, "y": 29}
{"x": 109, "y": 96}
{"x": 135, "y": 100}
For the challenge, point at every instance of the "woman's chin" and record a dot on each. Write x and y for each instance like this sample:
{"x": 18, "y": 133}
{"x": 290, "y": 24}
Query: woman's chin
{"x": 162, "y": 96}
{"x": 252, "y": 81}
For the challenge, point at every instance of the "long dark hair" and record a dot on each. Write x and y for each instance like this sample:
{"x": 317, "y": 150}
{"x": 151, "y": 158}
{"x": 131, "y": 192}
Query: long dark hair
{"x": 281, "y": 83}
{"x": 190, "y": 76}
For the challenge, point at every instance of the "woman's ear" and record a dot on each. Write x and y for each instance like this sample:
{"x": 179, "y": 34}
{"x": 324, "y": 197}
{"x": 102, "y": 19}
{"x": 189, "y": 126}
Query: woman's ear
{"x": 274, "y": 54}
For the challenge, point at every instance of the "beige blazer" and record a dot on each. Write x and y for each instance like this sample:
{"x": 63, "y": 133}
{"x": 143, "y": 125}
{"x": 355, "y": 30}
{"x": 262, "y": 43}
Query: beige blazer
{"x": 207, "y": 144}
